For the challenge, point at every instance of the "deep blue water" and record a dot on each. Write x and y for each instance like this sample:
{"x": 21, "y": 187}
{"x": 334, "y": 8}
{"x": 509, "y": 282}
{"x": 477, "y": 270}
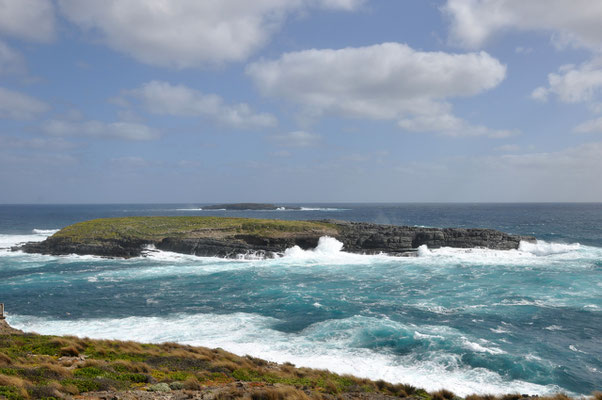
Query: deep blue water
{"x": 470, "y": 320}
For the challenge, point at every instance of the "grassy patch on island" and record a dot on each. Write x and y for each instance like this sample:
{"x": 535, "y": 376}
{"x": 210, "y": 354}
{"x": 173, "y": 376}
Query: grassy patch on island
{"x": 156, "y": 228}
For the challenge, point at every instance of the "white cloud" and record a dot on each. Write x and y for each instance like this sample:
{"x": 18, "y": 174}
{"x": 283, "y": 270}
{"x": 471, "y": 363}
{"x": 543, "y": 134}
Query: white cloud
{"x": 179, "y": 100}
{"x": 27, "y": 19}
{"x": 11, "y": 62}
{"x": 36, "y": 143}
{"x": 573, "y": 84}
{"x": 389, "y": 81}
{"x": 570, "y": 174}
{"x": 15, "y": 105}
{"x": 98, "y": 129}
{"x": 450, "y": 125}
{"x": 508, "y": 148}
{"x": 129, "y": 162}
{"x": 591, "y": 126}
{"x": 188, "y": 33}
{"x": 523, "y": 50}
{"x": 575, "y": 22}
{"x": 297, "y": 139}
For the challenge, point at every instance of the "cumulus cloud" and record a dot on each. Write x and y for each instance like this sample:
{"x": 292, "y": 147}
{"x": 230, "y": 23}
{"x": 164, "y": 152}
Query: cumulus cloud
{"x": 98, "y": 129}
{"x": 15, "y": 105}
{"x": 591, "y": 126}
{"x": 575, "y": 22}
{"x": 384, "y": 81}
{"x": 178, "y": 100}
{"x": 573, "y": 84}
{"x": 297, "y": 139}
{"x": 28, "y": 19}
{"x": 188, "y": 33}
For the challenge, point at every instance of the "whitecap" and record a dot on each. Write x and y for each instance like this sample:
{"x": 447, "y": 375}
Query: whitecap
{"x": 44, "y": 231}
{"x": 543, "y": 248}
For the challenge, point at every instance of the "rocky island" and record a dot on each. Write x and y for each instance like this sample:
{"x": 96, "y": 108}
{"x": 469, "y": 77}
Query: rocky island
{"x": 232, "y": 237}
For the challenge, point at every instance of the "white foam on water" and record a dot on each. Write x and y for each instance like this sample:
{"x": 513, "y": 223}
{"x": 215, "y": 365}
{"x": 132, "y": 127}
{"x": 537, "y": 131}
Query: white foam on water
{"x": 575, "y": 349}
{"x": 328, "y": 345}
{"x": 329, "y": 251}
{"x": 190, "y": 209}
{"x": 7, "y": 241}
{"x": 554, "y": 328}
{"x": 323, "y": 209}
{"x": 45, "y": 231}
{"x": 539, "y": 253}
{"x": 481, "y": 349}
{"x": 543, "y": 248}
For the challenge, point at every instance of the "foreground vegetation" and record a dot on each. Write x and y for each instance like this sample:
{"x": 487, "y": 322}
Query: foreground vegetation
{"x": 45, "y": 367}
{"x": 157, "y": 228}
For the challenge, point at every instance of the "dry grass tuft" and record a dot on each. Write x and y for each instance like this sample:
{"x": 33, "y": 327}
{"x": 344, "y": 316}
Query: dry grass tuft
{"x": 443, "y": 395}
{"x": 481, "y": 397}
{"x": 13, "y": 381}
{"x": 4, "y": 360}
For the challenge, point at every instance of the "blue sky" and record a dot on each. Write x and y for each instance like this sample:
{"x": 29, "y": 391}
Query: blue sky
{"x": 300, "y": 101}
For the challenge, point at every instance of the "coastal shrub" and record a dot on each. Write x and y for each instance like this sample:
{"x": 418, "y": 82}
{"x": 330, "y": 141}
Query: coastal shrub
{"x": 9, "y": 371}
{"x": 257, "y": 361}
{"x": 12, "y": 393}
{"x": 45, "y": 391}
{"x": 443, "y": 395}
{"x": 69, "y": 388}
{"x": 178, "y": 386}
{"x": 4, "y": 360}
{"x": 83, "y": 385}
{"x": 11, "y": 381}
{"x": 281, "y": 393}
{"x": 89, "y": 372}
{"x": 130, "y": 366}
{"x": 178, "y": 376}
{"x": 134, "y": 377}
{"x": 53, "y": 371}
{"x": 191, "y": 383}
{"x": 512, "y": 396}
{"x": 69, "y": 351}
{"x": 481, "y": 397}
{"x": 159, "y": 387}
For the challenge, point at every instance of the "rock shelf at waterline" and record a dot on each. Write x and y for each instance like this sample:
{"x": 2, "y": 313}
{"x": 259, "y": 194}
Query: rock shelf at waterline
{"x": 232, "y": 237}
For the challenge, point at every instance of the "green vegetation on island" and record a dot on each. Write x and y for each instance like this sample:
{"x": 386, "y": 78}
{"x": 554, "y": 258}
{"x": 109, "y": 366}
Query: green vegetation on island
{"x": 154, "y": 229}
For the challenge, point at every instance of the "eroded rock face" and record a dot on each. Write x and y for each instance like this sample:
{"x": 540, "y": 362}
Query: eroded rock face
{"x": 357, "y": 237}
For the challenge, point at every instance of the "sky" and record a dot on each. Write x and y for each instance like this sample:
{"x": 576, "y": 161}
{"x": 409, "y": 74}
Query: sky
{"x": 201, "y": 101}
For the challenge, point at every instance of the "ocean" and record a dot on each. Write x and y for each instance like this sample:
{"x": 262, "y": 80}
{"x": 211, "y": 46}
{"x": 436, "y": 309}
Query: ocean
{"x": 469, "y": 320}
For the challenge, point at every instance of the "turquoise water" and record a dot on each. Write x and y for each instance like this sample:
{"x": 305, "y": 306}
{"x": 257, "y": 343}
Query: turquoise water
{"x": 470, "y": 320}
